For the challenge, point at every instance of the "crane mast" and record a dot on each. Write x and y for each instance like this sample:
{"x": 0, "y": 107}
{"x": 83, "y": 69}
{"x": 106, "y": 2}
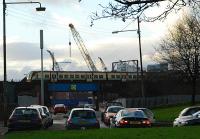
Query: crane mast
{"x": 82, "y": 48}
{"x": 55, "y": 63}
{"x": 103, "y": 64}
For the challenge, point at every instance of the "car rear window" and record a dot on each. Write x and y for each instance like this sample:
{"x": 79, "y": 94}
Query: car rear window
{"x": 25, "y": 112}
{"x": 86, "y": 114}
{"x": 138, "y": 114}
{"x": 115, "y": 109}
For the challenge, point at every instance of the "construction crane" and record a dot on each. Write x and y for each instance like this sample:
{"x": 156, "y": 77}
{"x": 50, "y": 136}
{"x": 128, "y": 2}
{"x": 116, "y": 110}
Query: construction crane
{"x": 82, "y": 48}
{"x": 103, "y": 64}
{"x": 55, "y": 63}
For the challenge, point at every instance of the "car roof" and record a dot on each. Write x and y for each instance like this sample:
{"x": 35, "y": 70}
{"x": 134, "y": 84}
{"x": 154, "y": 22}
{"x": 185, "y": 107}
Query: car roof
{"x": 75, "y": 109}
{"x": 59, "y": 105}
{"x": 26, "y": 108}
{"x": 114, "y": 107}
{"x": 131, "y": 109}
{"x": 20, "y": 107}
{"x": 192, "y": 107}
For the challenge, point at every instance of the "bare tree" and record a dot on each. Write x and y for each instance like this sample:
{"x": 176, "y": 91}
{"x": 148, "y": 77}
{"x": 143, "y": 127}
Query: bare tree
{"x": 181, "y": 48}
{"x": 130, "y": 9}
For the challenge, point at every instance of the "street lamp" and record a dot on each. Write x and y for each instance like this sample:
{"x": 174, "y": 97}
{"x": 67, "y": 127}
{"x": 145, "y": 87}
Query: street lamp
{"x": 40, "y": 8}
{"x": 140, "y": 50}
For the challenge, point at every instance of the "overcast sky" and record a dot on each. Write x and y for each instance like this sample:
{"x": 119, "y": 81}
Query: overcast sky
{"x": 23, "y": 25}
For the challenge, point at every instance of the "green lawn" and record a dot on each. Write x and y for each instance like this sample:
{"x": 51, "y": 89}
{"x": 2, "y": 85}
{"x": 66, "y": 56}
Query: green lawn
{"x": 128, "y": 133}
{"x": 169, "y": 113}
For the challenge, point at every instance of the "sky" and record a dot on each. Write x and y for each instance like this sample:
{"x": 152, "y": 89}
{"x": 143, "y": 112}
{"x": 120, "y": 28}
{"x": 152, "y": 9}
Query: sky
{"x": 23, "y": 25}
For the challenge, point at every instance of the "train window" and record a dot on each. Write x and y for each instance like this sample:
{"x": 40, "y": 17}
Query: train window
{"x": 71, "y": 76}
{"x": 76, "y": 76}
{"x": 53, "y": 76}
{"x": 46, "y": 76}
{"x": 61, "y": 76}
{"x": 113, "y": 76}
{"x": 117, "y": 76}
{"x": 130, "y": 76}
{"x": 134, "y": 76}
{"x": 96, "y": 76}
{"x": 66, "y": 76}
{"x": 123, "y": 76}
{"x": 100, "y": 76}
{"x": 82, "y": 76}
{"x": 89, "y": 76}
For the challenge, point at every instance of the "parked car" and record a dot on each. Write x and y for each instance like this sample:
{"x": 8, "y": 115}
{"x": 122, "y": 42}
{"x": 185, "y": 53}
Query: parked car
{"x": 130, "y": 117}
{"x": 105, "y": 105}
{"x": 148, "y": 113}
{"x": 110, "y": 112}
{"x": 60, "y": 108}
{"x": 82, "y": 118}
{"x": 45, "y": 111}
{"x": 188, "y": 116}
{"x": 25, "y": 118}
{"x": 113, "y": 103}
{"x": 92, "y": 106}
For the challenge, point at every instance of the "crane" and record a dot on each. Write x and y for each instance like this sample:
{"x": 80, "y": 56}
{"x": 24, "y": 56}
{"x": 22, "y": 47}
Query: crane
{"x": 55, "y": 63}
{"x": 103, "y": 64}
{"x": 82, "y": 48}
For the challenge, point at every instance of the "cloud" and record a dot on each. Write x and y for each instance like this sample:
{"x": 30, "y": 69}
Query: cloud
{"x": 22, "y": 51}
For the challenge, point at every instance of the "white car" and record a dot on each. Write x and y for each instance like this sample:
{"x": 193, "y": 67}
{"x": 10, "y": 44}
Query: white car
{"x": 188, "y": 116}
{"x": 45, "y": 113}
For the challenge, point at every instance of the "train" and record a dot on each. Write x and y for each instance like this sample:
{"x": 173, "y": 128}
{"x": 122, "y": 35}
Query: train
{"x": 82, "y": 76}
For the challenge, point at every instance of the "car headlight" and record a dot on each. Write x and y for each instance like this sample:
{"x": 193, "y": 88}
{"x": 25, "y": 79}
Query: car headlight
{"x": 184, "y": 122}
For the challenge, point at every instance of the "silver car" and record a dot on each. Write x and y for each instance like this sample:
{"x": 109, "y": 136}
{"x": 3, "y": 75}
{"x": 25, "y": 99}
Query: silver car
{"x": 188, "y": 116}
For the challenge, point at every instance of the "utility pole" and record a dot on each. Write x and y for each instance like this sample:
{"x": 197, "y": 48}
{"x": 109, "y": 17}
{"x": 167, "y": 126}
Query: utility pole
{"x": 42, "y": 80}
{"x": 141, "y": 65}
{"x": 5, "y": 109}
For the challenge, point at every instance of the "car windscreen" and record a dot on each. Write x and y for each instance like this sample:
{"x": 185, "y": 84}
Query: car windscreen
{"x": 190, "y": 111}
{"x": 26, "y": 112}
{"x": 114, "y": 104}
{"x": 137, "y": 114}
{"x": 148, "y": 113}
{"x": 114, "y": 109}
{"x": 85, "y": 114}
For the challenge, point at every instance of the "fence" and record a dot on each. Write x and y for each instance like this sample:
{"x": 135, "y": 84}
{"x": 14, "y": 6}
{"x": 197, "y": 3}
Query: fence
{"x": 10, "y": 107}
{"x": 151, "y": 102}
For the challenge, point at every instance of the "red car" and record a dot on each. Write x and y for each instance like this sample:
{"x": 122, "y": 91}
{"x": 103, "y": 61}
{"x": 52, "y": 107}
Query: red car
{"x": 60, "y": 108}
{"x": 109, "y": 113}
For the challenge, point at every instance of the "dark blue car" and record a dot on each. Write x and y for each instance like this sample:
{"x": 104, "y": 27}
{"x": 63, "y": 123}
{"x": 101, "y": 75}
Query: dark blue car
{"x": 25, "y": 118}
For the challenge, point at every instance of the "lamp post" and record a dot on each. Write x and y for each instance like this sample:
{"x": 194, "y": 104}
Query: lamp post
{"x": 140, "y": 51}
{"x": 40, "y": 8}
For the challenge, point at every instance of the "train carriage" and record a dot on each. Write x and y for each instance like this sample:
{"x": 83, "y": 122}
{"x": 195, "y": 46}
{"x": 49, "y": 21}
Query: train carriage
{"x": 88, "y": 76}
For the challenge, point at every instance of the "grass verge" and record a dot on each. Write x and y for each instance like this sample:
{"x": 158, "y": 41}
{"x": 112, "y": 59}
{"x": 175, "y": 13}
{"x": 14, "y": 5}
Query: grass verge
{"x": 130, "y": 133}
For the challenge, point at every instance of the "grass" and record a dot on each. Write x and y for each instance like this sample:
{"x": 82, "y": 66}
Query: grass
{"x": 136, "y": 133}
{"x": 168, "y": 113}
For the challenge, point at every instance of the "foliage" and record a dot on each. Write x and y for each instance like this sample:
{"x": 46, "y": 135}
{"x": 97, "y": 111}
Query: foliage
{"x": 131, "y": 9}
{"x": 181, "y": 48}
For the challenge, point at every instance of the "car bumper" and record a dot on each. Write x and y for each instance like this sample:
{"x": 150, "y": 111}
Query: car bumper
{"x": 22, "y": 126}
{"x": 72, "y": 126}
